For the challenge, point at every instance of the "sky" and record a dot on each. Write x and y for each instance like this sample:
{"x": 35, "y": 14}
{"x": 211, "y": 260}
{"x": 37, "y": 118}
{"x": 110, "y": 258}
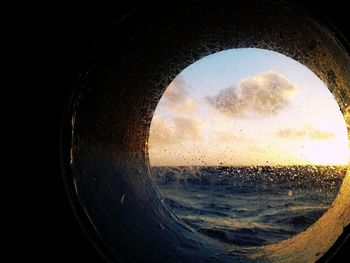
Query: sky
{"x": 247, "y": 107}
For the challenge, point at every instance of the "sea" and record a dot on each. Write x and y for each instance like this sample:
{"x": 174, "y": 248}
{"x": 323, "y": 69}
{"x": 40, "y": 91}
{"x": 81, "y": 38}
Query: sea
{"x": 249, "y": 206}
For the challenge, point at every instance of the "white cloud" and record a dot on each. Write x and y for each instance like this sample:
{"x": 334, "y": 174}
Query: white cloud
{"x": 187, "y": 128}
{"x": 176, "y": 91}
{"x": 265, "y": 94}
{"x": 306, "y": 132}
{"x": 176, "y": 99}
{"x": 160, "y": 132}
{"x": 181, "y": 129}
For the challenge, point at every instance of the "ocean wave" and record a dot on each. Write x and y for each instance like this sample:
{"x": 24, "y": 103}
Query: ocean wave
{"x": 248, "y": 237}
{"x": 243, "y": 179}
{"x": 245, "y": 211}
{"x": 308, "y": 207}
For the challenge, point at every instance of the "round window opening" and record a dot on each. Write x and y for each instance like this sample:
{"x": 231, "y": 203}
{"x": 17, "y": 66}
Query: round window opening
{"x": 240, "y": 157}
{"x": 248, "y": 147}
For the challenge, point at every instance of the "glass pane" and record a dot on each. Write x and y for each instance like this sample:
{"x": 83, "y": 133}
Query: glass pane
{"x": 248, "y": 146}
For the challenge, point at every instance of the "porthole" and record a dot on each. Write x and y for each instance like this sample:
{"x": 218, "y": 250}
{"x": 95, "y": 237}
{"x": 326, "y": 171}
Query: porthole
{"x": 106, "y": 152}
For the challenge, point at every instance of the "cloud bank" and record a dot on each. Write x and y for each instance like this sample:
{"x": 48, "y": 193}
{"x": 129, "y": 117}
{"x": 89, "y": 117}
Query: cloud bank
{"x": 176, "y": 91}
{"x": 181, "y": 129}
{"x": 307, "y": 132}
{"x": 176, "y": 98}
{"x": 265, "y": 94}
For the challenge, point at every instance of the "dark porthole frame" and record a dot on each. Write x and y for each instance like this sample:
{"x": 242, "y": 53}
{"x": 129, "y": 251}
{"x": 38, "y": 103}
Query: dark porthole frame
{"x": 123, "y": 80}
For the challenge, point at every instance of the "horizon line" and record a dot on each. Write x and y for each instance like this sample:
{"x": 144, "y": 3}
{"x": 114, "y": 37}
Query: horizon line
{"x": 260, "y": 165}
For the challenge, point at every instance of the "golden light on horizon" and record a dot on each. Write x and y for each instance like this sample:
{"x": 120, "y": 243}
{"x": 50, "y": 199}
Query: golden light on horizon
{"x": 326, "y": 155}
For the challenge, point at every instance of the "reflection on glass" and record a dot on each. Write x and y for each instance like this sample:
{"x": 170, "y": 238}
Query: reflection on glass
{"x": 248, "y": 146}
